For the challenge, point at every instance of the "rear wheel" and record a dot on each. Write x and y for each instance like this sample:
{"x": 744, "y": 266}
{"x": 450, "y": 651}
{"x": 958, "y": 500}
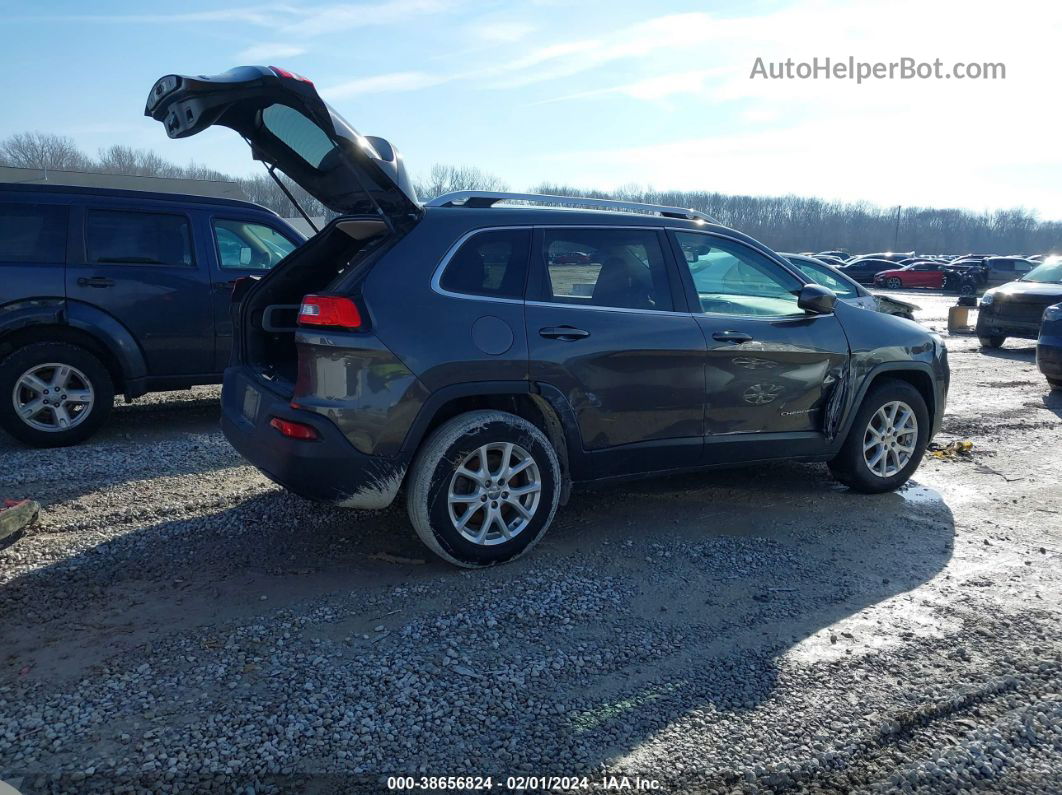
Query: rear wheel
{"x": 991, "y": 342}
{"x": 894, "y": 283}
{"x": 54, "y": 394}
{"x": 483, "y": 488}
{"x": 887, "y": 440}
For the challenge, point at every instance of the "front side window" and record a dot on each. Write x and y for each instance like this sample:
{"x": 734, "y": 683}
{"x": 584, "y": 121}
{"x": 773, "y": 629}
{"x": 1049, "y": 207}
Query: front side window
{"x": 492, "y": 263}
{"x": 33, "y": 233}
{"x": 134, "y": 238}
{"x": 733, "y": 279}
{"x": 243, "y": 245}
{"x": 620, "y": 268}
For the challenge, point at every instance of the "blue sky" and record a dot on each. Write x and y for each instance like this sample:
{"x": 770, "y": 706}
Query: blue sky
{"x": 587, "y": 92}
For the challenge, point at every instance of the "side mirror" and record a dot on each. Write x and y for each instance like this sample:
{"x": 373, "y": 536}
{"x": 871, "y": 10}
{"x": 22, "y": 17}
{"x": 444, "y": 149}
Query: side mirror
{"x": 816, "y": 299}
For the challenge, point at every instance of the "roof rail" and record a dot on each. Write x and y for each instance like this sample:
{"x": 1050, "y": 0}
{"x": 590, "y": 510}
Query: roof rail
{"x": 474, "y": 198}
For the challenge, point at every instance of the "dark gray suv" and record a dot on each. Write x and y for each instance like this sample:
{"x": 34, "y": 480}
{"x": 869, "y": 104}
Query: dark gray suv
{"x": 482, "y": 356}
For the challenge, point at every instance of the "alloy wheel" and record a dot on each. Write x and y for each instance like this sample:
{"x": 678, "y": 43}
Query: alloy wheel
{"x": 53, "y": 397}
{"x": 890, "y": 439}
{"x": 494, "y": 493}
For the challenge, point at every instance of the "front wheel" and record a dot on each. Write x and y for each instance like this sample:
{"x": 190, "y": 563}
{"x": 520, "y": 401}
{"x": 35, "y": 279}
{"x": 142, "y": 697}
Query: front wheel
{"x": 991, "y": 342}
{"x": 893, "y": 283}
{"x": 54, "y": 394}
{"x": 967, "y": 289}
{"x": 887, "y": 440}
{"x": 483, "y": 489}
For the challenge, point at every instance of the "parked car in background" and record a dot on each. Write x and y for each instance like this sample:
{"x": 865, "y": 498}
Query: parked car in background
{"x": 113, "y": 291}
{"x": 1049, "y": 346}
{"x": 834, "y": 262}
{"x": 919, "y": 274}
{"x": 864, "y": 270}
{"x": 847, "y": 289}
{"x": 892, "y": 256}
{"x": 438, "y": 348}
{"x": 990, "y": 272}
{"x": 840, "y": 255}
{"x": 1017, "y": 308}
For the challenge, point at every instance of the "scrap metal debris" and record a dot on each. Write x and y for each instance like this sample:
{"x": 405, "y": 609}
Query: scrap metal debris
{"x": 17, "y": 515}
{"x": 952, "y": 450}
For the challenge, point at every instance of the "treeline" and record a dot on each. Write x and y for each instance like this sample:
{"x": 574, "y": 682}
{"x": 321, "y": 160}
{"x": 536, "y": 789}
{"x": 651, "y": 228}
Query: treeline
{"x": 796, "y": 223}
{"x": 786, "y": 223}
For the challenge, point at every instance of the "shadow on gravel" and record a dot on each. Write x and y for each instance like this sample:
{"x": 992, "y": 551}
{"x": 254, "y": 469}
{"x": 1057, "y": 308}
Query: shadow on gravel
{"x": 139, "y": 441}
{"x": 684, "y": 592}
{"x": 1026, "y": 354}
{"x": 1053, "y": 400}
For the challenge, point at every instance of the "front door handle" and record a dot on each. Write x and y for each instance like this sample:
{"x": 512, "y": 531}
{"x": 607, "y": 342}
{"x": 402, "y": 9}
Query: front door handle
{"x": 566, "y": 333}
{"x": 735, "y": 337}
{"x": 95, "y": 281}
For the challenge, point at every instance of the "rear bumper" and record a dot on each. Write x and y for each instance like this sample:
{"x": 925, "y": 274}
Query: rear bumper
{"x": 327, "y": 469}
{"x": 1049, "y": 356}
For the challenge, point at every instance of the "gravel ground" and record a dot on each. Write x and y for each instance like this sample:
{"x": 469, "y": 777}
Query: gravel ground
{"x": 177, "y": 623}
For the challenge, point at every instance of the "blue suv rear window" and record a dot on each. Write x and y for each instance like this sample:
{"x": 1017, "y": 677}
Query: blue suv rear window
{"x": 33, "y": 233}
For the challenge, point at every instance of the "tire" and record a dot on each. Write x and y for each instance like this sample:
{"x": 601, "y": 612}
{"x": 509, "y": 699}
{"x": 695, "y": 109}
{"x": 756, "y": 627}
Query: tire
{"x": 893, "y": 283}
{"x": 434, "y": 477}
{"x": 853, "y": 469}
{"x": 967, "y": 289}
{"x": 38, "y": 364}
{"x": 991, "y": 342}
{"x": 1055, "y": 383}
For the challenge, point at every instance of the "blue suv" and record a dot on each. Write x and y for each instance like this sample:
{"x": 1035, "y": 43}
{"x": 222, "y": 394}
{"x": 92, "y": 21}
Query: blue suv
{"x": 106, "y": 292}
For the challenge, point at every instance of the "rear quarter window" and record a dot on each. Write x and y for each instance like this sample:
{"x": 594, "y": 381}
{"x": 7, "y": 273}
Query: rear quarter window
{"x": 491, "y": 263}
{"x": 33, "y": 233}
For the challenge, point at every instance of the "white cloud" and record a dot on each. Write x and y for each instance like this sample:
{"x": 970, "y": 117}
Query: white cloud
{"x": 320, "y": 20}
{"x": 269, "y": 52}
{"x": 377, "y": 84}
{"x": 501, "y": 32}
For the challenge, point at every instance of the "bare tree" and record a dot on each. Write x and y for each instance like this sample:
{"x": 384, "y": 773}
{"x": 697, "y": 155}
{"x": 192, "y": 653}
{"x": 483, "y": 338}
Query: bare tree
{"x": 447, "y": 179}
{"x": 42, "y": 150}
{"x": 787, "y": 223}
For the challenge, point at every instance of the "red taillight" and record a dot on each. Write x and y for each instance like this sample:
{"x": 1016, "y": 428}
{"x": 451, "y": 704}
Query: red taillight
{"x": 293, "y": 430}
{"x": 290, "y": 75}
{"x": 329, "y": 310}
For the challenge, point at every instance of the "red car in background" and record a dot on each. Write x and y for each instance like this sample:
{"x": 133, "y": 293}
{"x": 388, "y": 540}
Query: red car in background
{"x": 920, "y": 274}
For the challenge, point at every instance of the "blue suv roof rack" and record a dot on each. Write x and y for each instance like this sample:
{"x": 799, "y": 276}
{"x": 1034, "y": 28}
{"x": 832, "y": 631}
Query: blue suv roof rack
{"x": 473, "y": 198}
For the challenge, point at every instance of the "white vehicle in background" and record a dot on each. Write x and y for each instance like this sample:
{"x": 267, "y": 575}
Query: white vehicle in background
{"x": 848, "y": 289}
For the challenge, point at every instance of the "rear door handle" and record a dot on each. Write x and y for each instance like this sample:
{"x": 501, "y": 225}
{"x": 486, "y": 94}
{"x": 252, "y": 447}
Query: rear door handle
{"x": 566, "y": 333}
{"x": 735, "y": 337}
{"x": 95, "y": 281}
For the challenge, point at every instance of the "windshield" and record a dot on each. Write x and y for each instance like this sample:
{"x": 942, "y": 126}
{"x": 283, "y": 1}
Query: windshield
{"x": 1050, "y": 272}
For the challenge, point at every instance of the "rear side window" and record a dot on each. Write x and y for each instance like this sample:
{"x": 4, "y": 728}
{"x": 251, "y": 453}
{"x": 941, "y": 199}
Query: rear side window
{"x": 32, "y": 233}
{"x": 492, "y": 263}
{"x": 621, "y": 268}
{"x": 132, "y": 238}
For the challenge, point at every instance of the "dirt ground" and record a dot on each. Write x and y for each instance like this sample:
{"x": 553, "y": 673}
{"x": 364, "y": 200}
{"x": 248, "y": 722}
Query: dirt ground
{"x": 176, "y": 622}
